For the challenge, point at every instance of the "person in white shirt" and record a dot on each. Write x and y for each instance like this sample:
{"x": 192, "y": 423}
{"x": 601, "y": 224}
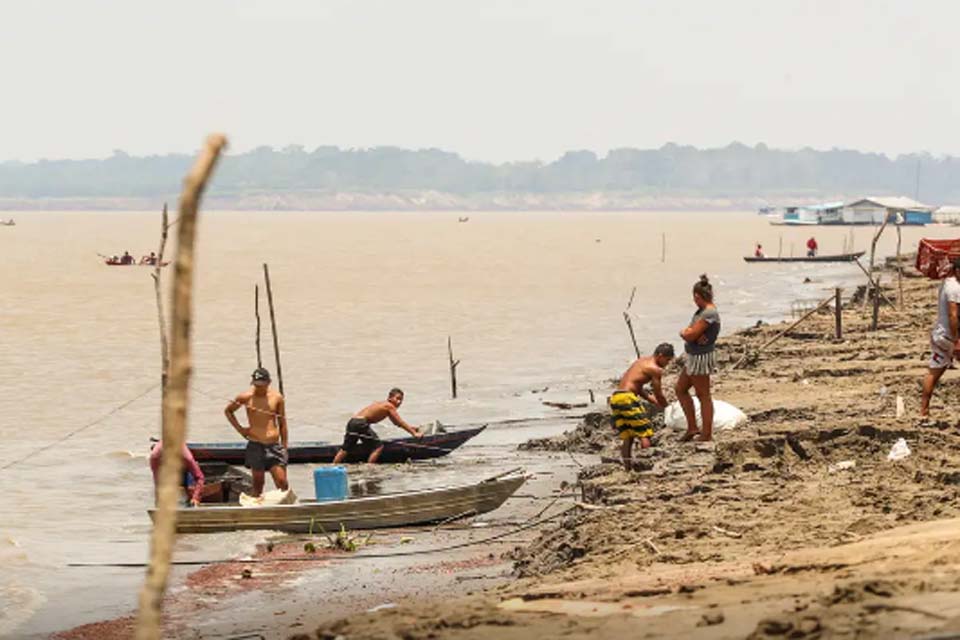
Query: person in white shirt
{"x": 945, "y": 336}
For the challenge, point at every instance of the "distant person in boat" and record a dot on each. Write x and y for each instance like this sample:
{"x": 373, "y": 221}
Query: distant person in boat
{"x": 193, "y": 479}
{"x": 758, "y": 252}
{"x": 150, "y": 259}
{"x": 267, "y": 434}
{"x": 628, "y": 415}
{"x": 945, "y": 337}
{"x": 126, "y": 258}
{"x": 360, "y": 436}
{"x": 812, "y": 247}
{"x": 700, "y": 338}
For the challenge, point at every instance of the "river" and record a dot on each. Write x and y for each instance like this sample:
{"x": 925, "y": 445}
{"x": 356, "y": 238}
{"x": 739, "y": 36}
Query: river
{"x": 364, "y": 302}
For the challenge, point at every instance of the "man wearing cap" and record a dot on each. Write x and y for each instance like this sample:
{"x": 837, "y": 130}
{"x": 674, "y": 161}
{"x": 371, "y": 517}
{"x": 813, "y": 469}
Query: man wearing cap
{"x": 945, "y": 336}
{"x": 267, "y": 434}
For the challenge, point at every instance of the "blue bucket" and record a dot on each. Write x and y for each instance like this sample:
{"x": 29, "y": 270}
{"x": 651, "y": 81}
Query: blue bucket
{"x": 330, "y": 483}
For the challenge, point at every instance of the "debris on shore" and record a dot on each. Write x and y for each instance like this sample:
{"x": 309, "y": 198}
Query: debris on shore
{"x": 795, "y": 525}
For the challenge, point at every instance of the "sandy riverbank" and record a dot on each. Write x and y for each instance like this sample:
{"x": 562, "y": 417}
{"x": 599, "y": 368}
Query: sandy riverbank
{"x": 759, "y": 535}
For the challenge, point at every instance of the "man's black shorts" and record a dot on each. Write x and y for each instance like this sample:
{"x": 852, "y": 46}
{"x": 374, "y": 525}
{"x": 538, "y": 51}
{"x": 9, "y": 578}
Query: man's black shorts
{"x": 263, "y": 457}
{"x": 360, "y": 436}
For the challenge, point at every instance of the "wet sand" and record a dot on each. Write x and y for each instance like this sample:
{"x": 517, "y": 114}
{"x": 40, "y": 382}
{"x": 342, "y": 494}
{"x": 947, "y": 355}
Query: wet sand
{"x": 762, "y": 534}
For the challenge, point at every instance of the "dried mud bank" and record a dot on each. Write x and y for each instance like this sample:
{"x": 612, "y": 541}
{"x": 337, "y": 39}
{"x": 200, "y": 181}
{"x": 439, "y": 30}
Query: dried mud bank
{"x": 794, "y": 526}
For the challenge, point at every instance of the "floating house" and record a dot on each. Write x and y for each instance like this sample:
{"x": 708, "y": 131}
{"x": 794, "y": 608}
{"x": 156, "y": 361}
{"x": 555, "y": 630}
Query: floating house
{"x": 896, "y": 209}
{"x": 947, "y": 215}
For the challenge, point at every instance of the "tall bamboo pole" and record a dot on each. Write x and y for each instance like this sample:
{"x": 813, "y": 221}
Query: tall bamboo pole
{"x": 256, "y": 311}
{"x": 176, "y": 397}
{"x": 273, "y": 327}
{"x": 899, "y": 268}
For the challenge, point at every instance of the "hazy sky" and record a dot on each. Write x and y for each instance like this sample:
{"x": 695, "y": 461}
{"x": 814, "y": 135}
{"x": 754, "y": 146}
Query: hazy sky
{"x": 492, "y": 80}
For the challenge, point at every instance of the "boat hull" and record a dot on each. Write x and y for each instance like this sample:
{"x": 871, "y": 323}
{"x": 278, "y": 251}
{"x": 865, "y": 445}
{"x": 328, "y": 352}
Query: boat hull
{"x": 842, "y": 257}
{"x": 372, "y": 512}
{"x": 394, "y": 451}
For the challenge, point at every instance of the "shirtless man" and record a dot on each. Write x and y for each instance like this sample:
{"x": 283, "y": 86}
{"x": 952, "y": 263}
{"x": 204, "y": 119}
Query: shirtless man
{"x": 267, "y": 434}
{"x": 627, "y": 413}
{"x": 361, "y": 436}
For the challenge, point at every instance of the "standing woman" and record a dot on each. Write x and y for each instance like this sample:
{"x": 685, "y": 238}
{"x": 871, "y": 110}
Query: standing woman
{"x": 699, "y": 339}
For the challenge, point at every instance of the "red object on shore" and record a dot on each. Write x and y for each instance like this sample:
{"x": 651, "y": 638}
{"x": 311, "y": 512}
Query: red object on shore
{"x": 934, "y": 257}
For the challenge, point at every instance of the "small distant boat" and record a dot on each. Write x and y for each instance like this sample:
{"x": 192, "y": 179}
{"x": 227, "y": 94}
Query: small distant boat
{"x": 839, "y": 257}
{"x": 400, "y": 509}
{"x": 463, "y": 219}
{"x": 7, "y": 223}
{"x": 110, "y": 262}
{"x": 396, "y": 450}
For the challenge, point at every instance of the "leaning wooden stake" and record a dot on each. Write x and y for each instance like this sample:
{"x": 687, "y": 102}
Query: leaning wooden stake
{"x": 453, "y": 368}
{"x": 769, "y": 342}
{"x": 175, "y": 400}
{"x": 256, "y": 311}
{"x": 873, "y": 283}
{"x": 273, "y": 327}
{"x": 164, "y": 349}
{"x": 626, "y": 318}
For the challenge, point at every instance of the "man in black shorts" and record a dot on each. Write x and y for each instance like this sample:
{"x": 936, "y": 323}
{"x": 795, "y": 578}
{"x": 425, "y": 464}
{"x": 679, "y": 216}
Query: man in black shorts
{"x": 360, "y": 435}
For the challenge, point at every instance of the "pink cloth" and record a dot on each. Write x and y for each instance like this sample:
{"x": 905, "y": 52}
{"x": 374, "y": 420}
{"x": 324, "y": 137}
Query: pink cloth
{"x": 189, "y": 464}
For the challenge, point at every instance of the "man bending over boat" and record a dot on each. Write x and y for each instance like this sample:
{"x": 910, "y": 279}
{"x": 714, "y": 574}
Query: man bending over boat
{"x": 267, "y": 434}
{"x": 628, "y": 414}
{"x": 360, "y": 435}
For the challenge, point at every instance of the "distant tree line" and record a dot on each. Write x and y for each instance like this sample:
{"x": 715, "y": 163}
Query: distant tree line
{"x": 732, "y": 170}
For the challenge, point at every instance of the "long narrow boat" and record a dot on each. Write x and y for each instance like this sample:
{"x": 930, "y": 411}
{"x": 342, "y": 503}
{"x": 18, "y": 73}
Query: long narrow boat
{"x": 371, "y": 512}
{"x": 397, "y": 450}
{"x": 839, "y": 257}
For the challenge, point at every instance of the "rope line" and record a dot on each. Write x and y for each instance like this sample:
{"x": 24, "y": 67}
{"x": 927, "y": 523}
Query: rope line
{"x": 529, "y": 524}
{"x": 116, "y": 409}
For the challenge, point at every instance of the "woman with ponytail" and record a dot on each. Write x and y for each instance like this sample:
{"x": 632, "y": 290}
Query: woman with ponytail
{"x": 699, "y": 338}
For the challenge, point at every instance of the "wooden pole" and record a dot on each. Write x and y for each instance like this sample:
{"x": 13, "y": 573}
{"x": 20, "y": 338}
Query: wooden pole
{"x": 176, "y": 398}
{"x": 256, "y": 311}
{"x": 784, "y": 332}
{"x": 780, "y": 248}
{"x": 899, "y": 268}
{"x": 838, "y": 313}
{"x": 876, "y": 306}
{"x": 273, "y": 327}
{"x": 663, "y": 247}
{"x": 453, "y": 368}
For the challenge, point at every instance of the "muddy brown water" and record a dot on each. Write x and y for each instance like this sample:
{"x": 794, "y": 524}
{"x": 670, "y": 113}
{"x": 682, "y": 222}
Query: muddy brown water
{"x": 365, "y": 301}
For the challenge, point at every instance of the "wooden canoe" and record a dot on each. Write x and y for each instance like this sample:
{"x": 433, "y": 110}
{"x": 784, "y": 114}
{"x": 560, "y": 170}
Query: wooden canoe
{"x": 370, "y": 512}
{"x": 396, "y": 450}
{"x": 839, "y": 257}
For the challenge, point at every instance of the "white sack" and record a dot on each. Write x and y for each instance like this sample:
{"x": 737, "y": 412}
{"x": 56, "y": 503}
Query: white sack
{"x": 725, "y": 416}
